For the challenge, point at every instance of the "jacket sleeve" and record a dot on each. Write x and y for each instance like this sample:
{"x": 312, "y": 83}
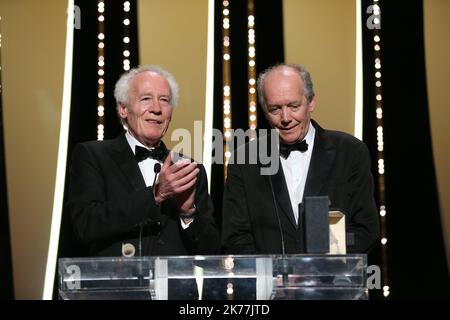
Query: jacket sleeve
{"x": 96, "y": 215}
{"x": 202, "y": 236}
{"x": 363, "y": 221}
{"x": 237, "y": 235}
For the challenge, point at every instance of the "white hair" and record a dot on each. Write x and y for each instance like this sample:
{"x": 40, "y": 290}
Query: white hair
{"x": 122, "y": 87}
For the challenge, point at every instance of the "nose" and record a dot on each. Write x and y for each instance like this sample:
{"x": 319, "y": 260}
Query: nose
{"x": 154, "y": 107}
{"x": 285, "y": 118}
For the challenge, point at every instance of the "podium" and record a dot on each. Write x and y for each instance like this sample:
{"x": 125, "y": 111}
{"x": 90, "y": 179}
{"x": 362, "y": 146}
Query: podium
{"x": 221, "y": 277}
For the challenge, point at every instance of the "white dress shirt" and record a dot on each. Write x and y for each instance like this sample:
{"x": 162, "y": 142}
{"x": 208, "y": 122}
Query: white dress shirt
{"x": 147, "y": 167}
{"x": 295, "y": 169}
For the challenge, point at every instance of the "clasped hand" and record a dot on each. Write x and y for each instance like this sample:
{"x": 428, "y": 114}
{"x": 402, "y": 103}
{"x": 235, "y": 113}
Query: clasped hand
{"x": 177, "y": 181}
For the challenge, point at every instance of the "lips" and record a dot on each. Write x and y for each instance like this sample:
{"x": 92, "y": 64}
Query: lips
{"x": 153, "y": 121}
{"x": 286, "y": 129}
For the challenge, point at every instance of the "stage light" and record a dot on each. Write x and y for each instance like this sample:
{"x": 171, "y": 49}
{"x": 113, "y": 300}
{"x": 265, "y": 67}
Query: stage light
{"x": 378, "y": 97}
{"x": 251, "y": 69}
{"x": 126, "y": 39}
{"x": 226, "y": 82}
{"x": 101, "y": 71}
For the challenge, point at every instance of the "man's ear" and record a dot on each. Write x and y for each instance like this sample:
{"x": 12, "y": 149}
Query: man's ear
{"x": 312, "y": 104}
{"x": 123, "y": 112}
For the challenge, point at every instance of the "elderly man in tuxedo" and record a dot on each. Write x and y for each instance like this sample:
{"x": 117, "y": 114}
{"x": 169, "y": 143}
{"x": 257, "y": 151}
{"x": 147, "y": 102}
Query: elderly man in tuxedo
{"x": 260, "y": 210}
{"x": 130, "y": 196}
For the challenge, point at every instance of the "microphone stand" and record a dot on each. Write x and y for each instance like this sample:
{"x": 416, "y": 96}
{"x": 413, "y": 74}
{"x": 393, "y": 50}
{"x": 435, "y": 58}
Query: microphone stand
{"x": 284, "y": 260}
{"x": 156, "y": 170}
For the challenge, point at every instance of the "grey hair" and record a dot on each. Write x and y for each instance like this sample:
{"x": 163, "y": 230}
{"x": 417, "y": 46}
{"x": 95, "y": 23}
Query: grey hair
{"x": 302, "y": 72}
{"x": 123, "y": 85}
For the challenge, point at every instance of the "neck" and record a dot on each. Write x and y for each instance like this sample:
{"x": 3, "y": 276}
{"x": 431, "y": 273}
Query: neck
{"x": 148, "y": 144}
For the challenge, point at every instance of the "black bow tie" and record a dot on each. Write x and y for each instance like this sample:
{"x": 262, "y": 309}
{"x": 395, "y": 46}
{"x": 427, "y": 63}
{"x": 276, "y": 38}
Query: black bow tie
{"x": 285, "y": 149}
{"x": 159, "y": 153}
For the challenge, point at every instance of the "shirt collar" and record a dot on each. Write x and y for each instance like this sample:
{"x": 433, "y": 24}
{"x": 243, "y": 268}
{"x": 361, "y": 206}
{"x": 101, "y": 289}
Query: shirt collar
{"x": 133, "y": 142}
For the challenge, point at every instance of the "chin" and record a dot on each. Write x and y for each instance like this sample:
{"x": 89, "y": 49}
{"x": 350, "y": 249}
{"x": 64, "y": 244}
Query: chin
{"x": 288, "y": 139}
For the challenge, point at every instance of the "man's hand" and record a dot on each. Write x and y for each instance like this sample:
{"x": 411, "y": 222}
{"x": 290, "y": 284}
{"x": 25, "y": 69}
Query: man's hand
{"x": 177, "y": 181}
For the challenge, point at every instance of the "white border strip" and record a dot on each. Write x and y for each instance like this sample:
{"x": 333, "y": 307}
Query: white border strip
{"x": 209, "y": 97}
{"x": 62, "y": 158}
{"x": 359, "y": 75}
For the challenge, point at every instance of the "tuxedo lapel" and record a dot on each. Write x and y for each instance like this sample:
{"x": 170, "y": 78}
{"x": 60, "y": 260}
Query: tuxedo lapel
{"x": 124, "y": 158}
{"x": 322, "y": 160}
{"x": 282, "y": 194}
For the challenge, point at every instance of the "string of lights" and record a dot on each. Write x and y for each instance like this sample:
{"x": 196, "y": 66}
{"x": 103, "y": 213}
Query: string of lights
{"x": 226, "y": 82}
{"x": 101, "y": 70}
{"x": 252, "y": 116}
{"x": 126, "y": 37}
{"x": 380, "y": 148}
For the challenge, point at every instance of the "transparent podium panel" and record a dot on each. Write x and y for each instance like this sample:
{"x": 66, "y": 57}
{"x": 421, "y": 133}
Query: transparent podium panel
{"x": 106, "y": 278}
{"x": 213, "y": 277}
{"x": 221, "y": 277}
{"x": 320, "y": 277}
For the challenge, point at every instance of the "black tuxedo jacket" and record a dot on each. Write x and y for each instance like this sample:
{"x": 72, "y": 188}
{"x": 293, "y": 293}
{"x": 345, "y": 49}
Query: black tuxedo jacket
{"x": 109, "y": 204}
{"x": 339, "y": 168}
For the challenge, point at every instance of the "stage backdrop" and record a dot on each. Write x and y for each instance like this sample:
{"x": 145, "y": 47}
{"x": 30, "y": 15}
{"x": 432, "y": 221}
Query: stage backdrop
{"x": 173, "y": 35}
{"x": 437, "y": 53}
{"x": 33, "y": 42}
{"x": 33, "y": 77}
{"x": 321, "y": 35}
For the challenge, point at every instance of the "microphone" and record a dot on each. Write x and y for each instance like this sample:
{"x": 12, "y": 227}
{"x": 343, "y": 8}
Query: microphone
{"x": 156, "y": 170}
{"x": 284, "y": 262}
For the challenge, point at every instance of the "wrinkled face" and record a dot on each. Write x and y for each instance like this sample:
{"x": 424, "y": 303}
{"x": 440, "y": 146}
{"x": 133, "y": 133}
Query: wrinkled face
{"x": 148, "y": 112}
{"x": 288, "y": 110}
